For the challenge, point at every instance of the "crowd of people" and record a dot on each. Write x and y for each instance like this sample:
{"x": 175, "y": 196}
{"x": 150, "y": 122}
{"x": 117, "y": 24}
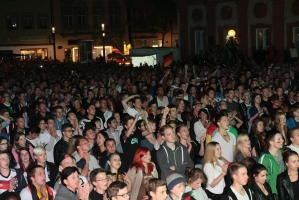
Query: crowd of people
{"x": 201, "y": 129}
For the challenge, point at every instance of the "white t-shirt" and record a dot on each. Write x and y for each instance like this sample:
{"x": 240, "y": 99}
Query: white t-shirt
{"x": 238, "y": 195}
{"x": 294, "y": 148}
{"x": 227, "y": 148}
{"x": 164, "y": 101}
{"x": 107, "y": 115}
{"x": 199, "y": 130}
{"x": 212, "y": 171}
{"x": 133, "y": 112}
{"x": 5, "y": 181}
{"x": 47, "y": 141}
{"x": 26, "y": 194}
{"x": 34, "y": 142}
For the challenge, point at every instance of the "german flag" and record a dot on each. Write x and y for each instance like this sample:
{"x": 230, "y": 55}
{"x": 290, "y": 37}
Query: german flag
{"x": 167, "y": 59}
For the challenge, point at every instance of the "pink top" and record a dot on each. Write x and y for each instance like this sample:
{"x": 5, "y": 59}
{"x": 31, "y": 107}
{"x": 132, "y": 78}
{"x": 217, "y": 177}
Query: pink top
{"x": 16, "y": 155}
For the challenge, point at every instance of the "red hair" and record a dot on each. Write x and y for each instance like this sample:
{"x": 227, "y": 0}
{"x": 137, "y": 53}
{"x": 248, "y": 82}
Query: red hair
{"x": 137, "y": 162}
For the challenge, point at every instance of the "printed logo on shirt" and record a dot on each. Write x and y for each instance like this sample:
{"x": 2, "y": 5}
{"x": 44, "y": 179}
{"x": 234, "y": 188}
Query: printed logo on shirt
{"x": 134, "y": 141}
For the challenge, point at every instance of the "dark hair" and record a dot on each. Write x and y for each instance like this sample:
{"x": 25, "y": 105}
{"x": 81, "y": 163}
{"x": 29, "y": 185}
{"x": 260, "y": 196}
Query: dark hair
{"x": 65, "y": 126}
{"x": 88, "y": 126}
{"x": 34, "y": 129}
{"x": 66, "y": 172}
{"x": 255, "y": 170}
{"x": 270, "y": 136}
{"x": 48, "y": 119}
{"x": 58, "y": 107}
{"x": 78, "y": 141}
{"x": 96, "y": 151}
{"x": 30, "y": 158}
{"x": 218, "y": 117}
{"x": 125, "y": 120}
{"x": 110, "y": 120}
{"x": 107, "y": 140}
{"x": 93, "y": 174}
{"x": 9, "y": 195}
{"x": 31, "y": 172}
{"x": 287, "y": 154}
{"x": 114, "y": 188}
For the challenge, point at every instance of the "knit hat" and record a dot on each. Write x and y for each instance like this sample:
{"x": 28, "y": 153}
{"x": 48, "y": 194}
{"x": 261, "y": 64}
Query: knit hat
{"x": 173, "y": 179}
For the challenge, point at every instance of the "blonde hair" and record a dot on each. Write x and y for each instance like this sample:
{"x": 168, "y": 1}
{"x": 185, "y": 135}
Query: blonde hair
{"x": 39, "y": 149}
{"x": 240, "y": 140}
{"x": 209, "y": 156}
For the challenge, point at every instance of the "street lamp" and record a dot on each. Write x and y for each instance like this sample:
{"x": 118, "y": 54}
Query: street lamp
{"x": 54, "y": 46}
{"x": 231, "y": 42}
{"x": 104, "y": 52}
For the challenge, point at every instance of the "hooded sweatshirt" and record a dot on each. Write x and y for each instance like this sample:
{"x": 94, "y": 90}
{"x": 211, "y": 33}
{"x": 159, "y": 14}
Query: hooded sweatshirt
{"x": 179, "y": 158}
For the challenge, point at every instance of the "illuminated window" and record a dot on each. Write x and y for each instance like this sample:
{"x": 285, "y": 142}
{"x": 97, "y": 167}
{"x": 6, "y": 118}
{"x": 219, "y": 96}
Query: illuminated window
{"x": 263, "y": 37}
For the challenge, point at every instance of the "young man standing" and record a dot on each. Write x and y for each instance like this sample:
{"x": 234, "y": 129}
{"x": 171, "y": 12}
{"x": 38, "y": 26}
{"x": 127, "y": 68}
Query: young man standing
{"x": 118, "y": 191}
{"x": 32, "y": 136}
{"x": 104, "y": 108}
{"x": 114, "y": 133}
{"x": 83, "y": 148}
{"x": 89, "y": 134}
{"x": 272, "y": 158}
{"x": 91, "y": 114}
{"x": 237, "y": 191}
{"x": 172, "y": 156}
{"x": 37, "y": 187}
{"x": 137, "y": 106}
{"x": 62, "y": 145}
{"x": 19, "y": 128}
{"x": 49, "y": 138}
{"x": 59, "y": 117}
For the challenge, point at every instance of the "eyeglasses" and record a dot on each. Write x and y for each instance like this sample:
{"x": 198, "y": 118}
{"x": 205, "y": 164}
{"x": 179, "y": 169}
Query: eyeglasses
{"x": 103, "y": 179}
{"x": 4, "y": 143}
{"x": 123, "y": 195}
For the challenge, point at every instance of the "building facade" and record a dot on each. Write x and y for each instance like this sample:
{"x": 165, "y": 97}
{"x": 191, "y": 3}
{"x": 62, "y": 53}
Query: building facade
{"x": 257, "y": 23}
{"x": 26, "y": 28}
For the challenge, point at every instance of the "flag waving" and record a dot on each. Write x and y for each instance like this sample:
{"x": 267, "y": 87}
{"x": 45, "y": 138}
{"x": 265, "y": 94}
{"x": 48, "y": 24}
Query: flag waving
{"x": 167, "y": 59}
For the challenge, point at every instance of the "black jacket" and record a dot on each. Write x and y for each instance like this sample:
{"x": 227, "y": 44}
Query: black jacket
{"x": 228, "y": 194}
{"x": 258, "y": 194}
{"x": 284, "y": 186}
{"x": 60, "y": 148}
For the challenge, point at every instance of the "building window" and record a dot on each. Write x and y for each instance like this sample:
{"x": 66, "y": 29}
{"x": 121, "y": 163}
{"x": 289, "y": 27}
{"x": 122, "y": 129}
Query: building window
{"x": 157, "y": 43}
{"x": 12, "y": 21}
{"x": 97, "y": 17}
{"x": 296, "y": 36}
{"x": 42, "y": 20}
{"x": 68, "y": 17}
{"x": 199, "y": 41}
{"x": 263, "y": 37}
{"x": 27, "y": 21}
{"x": 114, "y": 17}
{"x": 81, "y": 17}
